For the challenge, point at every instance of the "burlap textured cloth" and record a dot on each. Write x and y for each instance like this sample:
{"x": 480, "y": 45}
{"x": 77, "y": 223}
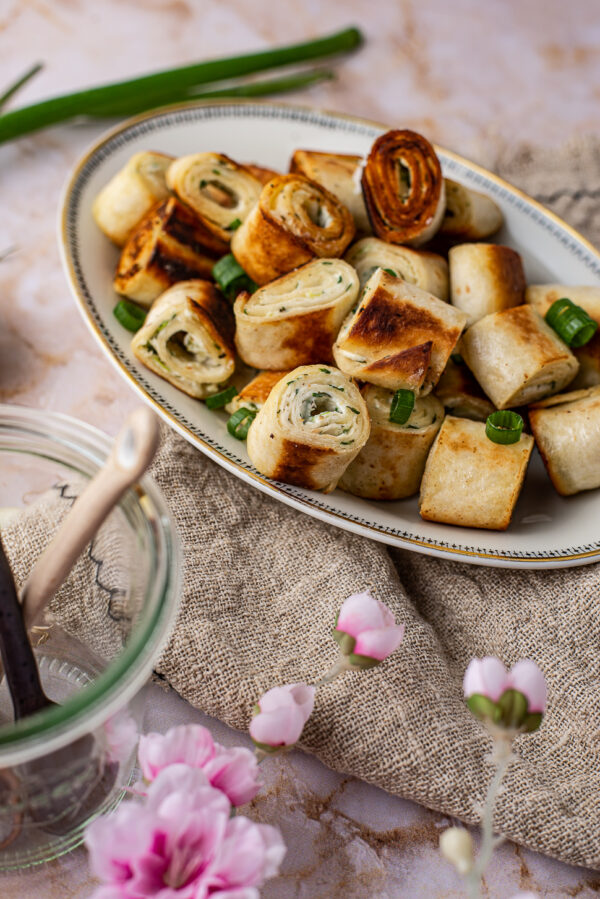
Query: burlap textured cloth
{"x": 263, "y": 584}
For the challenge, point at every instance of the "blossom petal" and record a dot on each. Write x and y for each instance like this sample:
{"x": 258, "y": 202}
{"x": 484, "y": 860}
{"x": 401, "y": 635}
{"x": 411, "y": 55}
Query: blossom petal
{"x": 235, "y": 772}
{"x": 527, "y": 678}
{"x": 380, "y": 643}
{"x": 190, "y": 744}
{"x": 250, "y": 853}
{"x": 281, "y": 727}
{"x": 486, "y": 676}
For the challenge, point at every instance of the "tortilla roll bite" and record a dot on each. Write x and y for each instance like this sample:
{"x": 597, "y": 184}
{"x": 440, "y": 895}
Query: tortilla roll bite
{"x": 170, "y": 244}
{"x": 340, "y": 174}
{"x": 187, "y": 338}
{"x": 461, "y": 395}
{"x": 314, "y": 423}
{"x": 294, "y": 220}
{"x": 403, "y": 188}
{"x": 485, "y": 278}
{"x": 391, "y": 464}
{"x": 398, "y": 336}
{"x": 131, "y": 194}
{"x": 588, "y": 357}
{"x": 427, "y": 270}
{"x": 471, "y": 481}
{"x": 469, "y": 215}
{"x": 542, "y": 296}
{"x": 295, "y": 320}
{"x": 567, "y": 433}
{"x": 517, "y": 358}
{"x": 256, "y": 392}
{"x": 221, "y": 192}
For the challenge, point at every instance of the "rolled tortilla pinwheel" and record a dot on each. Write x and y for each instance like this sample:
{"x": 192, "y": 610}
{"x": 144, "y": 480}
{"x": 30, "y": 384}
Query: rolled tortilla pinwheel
{"x": 398, "y": 336}
{"x": 485, "y": 278}
{"x": 403, "y": 188}
{"x": 567, "y": 433}
{"x": 221, "y": 192}
{"x": 187, "y": 338}
{"x": 541, "y": 297}
{"x": 294, "y": 221}
{"x": 471, "y": 481}
{"x": 131, "y": 194}
{"x": 588, "y": 357}
{"x": 311, "y": 427}
{"x": 340, "y": 174}
{"x": 170, "y": 244}
{"x": 256, "y": 392}
{"x": 391, "y": 464}
{"x": 517, "y": 358}
{"x": 427, "y": 270}
{"x": 461, "y": 395}
{"x": 295, "y": 320}
{"x": 469, "y": 215}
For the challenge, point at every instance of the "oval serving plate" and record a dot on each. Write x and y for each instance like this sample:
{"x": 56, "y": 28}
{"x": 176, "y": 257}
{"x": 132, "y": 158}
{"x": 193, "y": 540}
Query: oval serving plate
{"x": 547, "y": 531}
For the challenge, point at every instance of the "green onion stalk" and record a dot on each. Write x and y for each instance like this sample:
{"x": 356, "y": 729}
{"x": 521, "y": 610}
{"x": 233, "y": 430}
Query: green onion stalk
{"x": 178, "y": 85}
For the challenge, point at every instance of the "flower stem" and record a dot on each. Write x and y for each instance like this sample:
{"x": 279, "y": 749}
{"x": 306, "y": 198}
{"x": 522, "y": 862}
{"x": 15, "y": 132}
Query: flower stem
{"x": 338, "y": 668}
{"x": 502, "y": 757}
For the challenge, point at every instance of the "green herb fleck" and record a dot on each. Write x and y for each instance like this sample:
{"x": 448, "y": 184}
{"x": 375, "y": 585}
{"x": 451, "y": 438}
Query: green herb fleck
{"x": 326, "y": 370}
{"x": 346, "y": 442}
{"x": 390, "y": 271}
{"x": 233, "y": 225}
{"x": 202, "y": 184}
{"x": 327, "y": 263}
{"x": 352, "y": 409}
{"x": 339, "y": 280}
{"x": 336, "y": 388}
{"x": 282, "y": 308}
{"x": 216, "y": 172}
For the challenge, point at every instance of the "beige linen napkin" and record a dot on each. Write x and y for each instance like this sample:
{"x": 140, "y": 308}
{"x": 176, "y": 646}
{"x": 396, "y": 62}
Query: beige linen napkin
{"x": 263, "y": 584}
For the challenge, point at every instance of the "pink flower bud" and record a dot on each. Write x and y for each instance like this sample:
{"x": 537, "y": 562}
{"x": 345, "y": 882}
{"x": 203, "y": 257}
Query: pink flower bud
{"x": 515, "y": 699}
{"x": 282, "y": 714}
{"x": 366, "y": 631}
{"x": 486, "y": 677}
{"x": 527, "y": 678}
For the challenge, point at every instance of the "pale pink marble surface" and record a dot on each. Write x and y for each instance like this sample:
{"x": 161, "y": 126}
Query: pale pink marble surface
{"x": 476, "y": 77}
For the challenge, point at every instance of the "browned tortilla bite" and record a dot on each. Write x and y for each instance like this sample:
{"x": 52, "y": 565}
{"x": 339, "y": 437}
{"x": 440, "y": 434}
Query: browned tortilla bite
{"x": 294, "y": 221}
{"x": 485, "y": 278}
{"x": 399, "y": 336}
{"x": 403, "y": 188}
{"x": 471, "y": 481}
{"x": 170, "y": 244}
{"x": 338, "y": 172}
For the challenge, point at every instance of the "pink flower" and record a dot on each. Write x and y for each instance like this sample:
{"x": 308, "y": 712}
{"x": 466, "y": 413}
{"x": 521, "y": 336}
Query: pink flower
{"x": 120, "y": 736}
{"x": 234, "y": 771}
{"x": 514, "y": 699}
{"x": 366, "y": 631}
{"x": 282, "y": 714}
{"x": 181, "y": 844}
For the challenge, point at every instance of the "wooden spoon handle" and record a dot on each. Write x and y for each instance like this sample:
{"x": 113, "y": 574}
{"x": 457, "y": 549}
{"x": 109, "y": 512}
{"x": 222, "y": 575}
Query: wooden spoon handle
{"x": 131, "y": 455}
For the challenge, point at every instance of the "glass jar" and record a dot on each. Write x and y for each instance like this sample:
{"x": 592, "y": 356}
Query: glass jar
{"x": 63, "y": 766}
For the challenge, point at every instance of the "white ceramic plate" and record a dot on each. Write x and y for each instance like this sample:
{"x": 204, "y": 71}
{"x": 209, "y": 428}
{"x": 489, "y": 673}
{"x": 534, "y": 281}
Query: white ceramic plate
{"x": 547, "y": 531}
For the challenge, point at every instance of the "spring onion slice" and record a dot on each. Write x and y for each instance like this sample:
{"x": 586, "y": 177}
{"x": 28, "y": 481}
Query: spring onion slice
{"x": 129, "y": 315}
{"x": 218, "y": 400}
{"x": 571, "y": 322}
{"x": 239, "y": 423}
{"x": 402, "y": 405}
{"x": 504, "y": 427}
{"x": 231, "y": 277}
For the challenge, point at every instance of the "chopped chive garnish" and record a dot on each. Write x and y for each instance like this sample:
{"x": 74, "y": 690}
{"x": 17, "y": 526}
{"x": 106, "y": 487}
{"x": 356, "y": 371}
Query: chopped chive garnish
{"x": 231, "y": 277}
{"x": 130, "y": 315}
{"x": 282, "y": 308}
{"x": 336, "y": 388}
{"x": 327, "y": 263}
{"x": 352, "y": 409}
{"x": 403, "y": 403}
{"x": 216, "y": 172}
{"x": 346, "y": 442}
{"x": 232, "y": 226}
{"x": 390, "y": 271}
{"x": 571, "y": 322}
{"x": 218, "y": 400}
{"x": 504, "y": 426}
{"x": 239, "y": 423}
{"x": 202, "y": 184}
{"x": 340, "y": 279}
{"x": 326, "y": 370}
